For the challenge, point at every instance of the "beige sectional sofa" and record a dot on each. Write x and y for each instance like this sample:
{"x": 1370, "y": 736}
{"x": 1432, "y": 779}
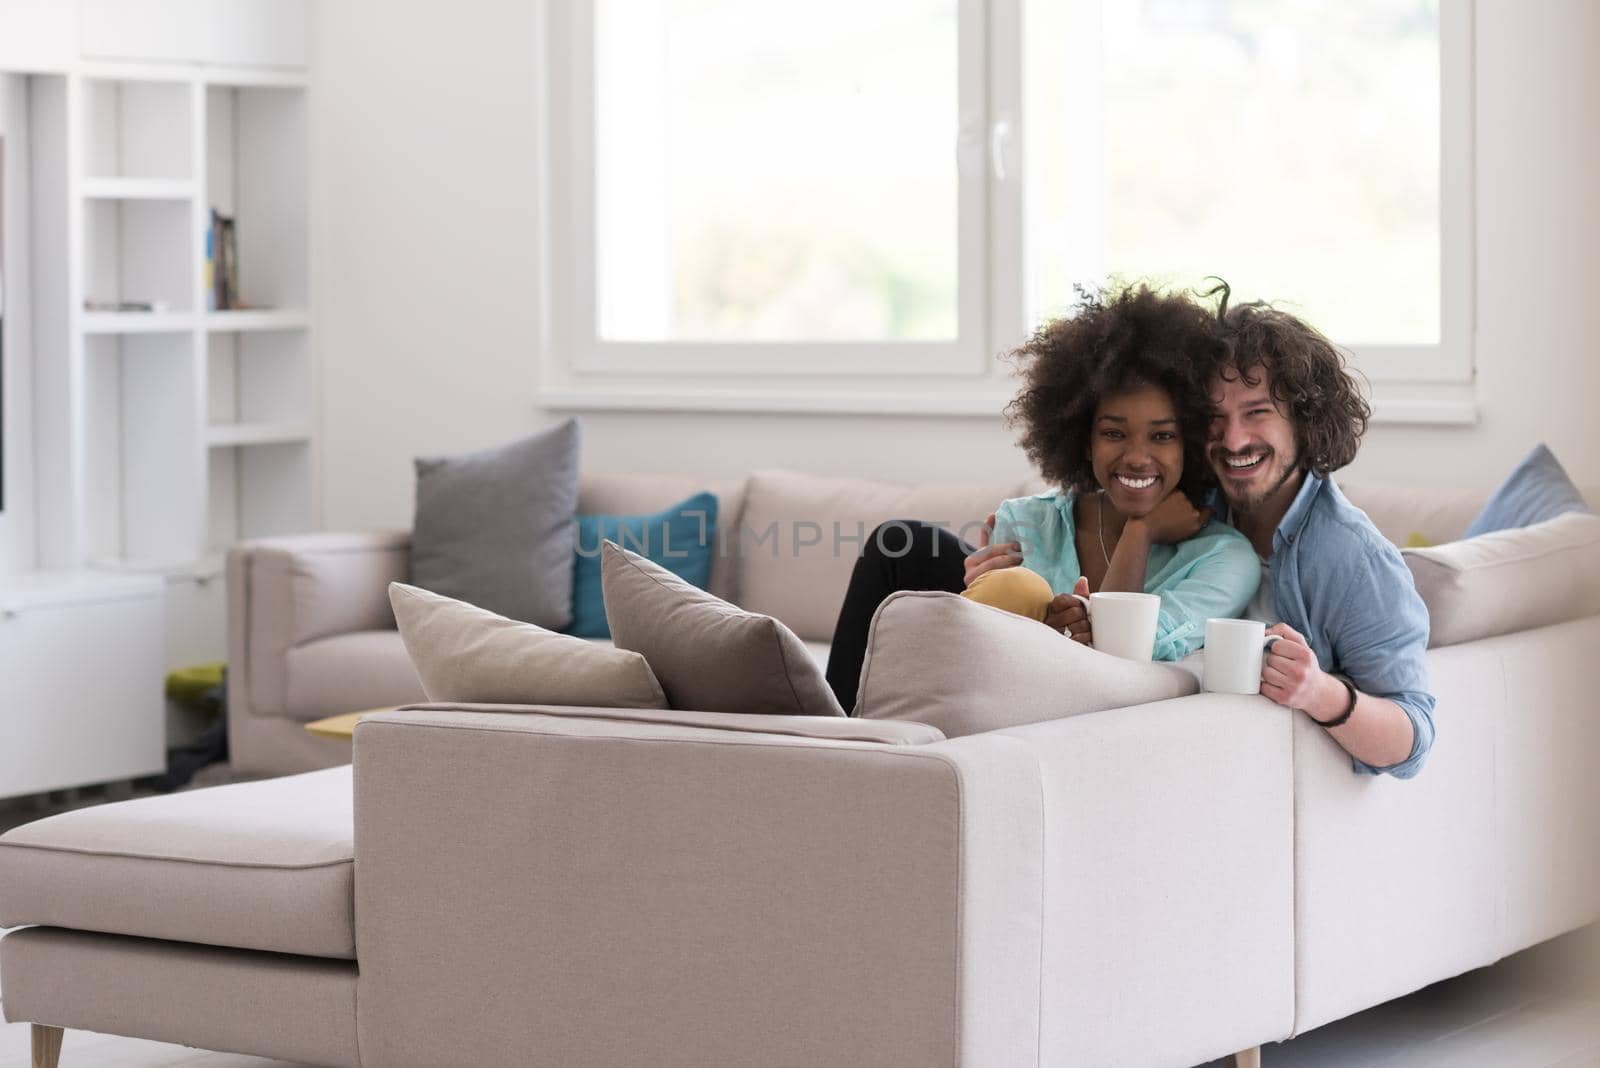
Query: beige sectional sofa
{"x": 1160, "y": 884}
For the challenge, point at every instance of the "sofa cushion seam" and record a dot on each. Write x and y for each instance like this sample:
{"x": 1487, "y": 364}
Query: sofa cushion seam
{"x": 834, "y": 744}
{"x": 353, "y": 549}
{"x": 958, "y": 985}
{"x": 113, "y": 854}
{"x": 783, "y": 732}
{"x": 1044, "y": 839}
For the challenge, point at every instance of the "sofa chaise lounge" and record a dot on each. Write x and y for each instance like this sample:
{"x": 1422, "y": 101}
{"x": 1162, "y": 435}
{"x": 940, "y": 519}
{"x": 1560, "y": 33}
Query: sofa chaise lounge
{"x": 1161, "y": 884}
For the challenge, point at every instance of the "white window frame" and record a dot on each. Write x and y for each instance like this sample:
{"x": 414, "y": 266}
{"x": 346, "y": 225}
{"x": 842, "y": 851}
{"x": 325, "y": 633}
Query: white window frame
{"x": 1450, "y": 362}
{"x": 581, "y": 371}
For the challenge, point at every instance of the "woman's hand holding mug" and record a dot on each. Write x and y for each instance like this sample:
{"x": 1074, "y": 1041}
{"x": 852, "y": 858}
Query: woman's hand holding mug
{"x": 1126, "y": 621}
{"x": 1069, "y": 613}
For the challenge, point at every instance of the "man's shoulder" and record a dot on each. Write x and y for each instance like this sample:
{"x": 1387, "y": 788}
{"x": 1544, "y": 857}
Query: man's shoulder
{"x": 1336, "y": 526}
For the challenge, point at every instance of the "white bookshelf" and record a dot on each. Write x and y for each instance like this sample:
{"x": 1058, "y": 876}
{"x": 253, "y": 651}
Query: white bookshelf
{"x": 259, "y": 358}
{"x": 137, "y": 322}
{"x": 157, "y": 436}
{"x": 233, "y": 435}
{"x": 137, "y": 189}
{"x": 178, "y": 430}
{"x": 237, "y": 322}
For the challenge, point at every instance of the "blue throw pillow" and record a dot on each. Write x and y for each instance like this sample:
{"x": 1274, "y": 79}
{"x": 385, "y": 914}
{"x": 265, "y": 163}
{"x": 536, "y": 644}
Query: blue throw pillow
{"x": 1536, "y": 490}
{"x": 682, "y": 539}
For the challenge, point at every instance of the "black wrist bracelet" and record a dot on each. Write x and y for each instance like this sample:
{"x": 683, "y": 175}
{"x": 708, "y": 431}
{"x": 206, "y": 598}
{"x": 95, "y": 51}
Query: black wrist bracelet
{"x": 1342, "y": 717}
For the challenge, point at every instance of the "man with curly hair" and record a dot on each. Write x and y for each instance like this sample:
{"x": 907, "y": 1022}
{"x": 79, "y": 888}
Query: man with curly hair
{"x": 1286, "y": 414}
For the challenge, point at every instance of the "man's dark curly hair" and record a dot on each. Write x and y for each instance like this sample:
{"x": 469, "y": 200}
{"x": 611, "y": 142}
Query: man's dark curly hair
{"x": 1312, "y": 382}
{"x": 1116, "y": 341}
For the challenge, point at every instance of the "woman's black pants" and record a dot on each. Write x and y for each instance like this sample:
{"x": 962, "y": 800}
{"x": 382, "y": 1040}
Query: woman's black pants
{"x": 902, "y": 554}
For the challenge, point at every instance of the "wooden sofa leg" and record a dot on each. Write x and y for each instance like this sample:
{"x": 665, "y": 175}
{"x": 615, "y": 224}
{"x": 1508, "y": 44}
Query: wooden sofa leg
{"x": 1248, "y": 1058}
{"x": 46, "y": 1046}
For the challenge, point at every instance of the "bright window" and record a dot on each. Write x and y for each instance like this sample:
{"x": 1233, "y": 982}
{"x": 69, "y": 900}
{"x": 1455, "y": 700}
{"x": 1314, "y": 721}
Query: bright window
{"x": 1294, "y": 149}
{"x": 776, "y": 172}
{"x": 834, "y": 191}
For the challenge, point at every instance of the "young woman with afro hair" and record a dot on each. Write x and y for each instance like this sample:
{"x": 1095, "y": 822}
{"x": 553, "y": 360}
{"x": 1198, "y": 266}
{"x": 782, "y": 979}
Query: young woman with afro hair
{"x": 1114, "y": 415}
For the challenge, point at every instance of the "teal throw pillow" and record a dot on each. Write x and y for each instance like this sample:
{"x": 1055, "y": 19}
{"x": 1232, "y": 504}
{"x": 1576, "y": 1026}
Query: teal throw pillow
{"x": 1536, "y": 490}
{"x": 682, "y": 539}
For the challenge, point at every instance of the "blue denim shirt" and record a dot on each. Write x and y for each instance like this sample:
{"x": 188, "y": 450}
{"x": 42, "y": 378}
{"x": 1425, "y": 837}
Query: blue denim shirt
{"x": 1340, "y": 583}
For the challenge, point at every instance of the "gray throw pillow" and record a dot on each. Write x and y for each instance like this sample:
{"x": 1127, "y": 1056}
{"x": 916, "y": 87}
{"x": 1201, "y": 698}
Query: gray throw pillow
{"x": 709, "y": 655}
{"x": 497, "y": 528}
{"x": 465, "y": 654}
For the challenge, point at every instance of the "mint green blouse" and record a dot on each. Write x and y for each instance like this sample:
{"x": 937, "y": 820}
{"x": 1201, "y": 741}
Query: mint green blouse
{"x": 1213, "y": 574}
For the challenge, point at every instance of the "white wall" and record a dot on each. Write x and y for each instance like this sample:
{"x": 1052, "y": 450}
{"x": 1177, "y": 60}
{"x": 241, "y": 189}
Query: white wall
{"x": 424, "y": 168}
{"x": 17, "y": 520}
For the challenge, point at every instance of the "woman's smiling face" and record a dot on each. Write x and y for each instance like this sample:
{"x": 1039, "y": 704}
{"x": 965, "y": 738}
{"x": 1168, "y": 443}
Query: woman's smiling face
{"x": 1136, "y": 448}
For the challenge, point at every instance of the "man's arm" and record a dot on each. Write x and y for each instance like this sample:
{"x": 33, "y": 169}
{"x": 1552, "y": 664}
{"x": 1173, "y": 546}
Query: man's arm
{"x": 1379, "y": 639}
{"x": 1378, "y": 733}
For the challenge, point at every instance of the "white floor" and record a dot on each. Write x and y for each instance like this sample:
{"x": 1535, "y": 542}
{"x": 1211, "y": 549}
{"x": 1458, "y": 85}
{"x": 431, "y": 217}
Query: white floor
{"x": 1539, "y": 1009}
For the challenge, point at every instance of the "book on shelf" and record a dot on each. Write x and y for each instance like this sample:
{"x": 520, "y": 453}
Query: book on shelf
{"x": 222, "y": 263}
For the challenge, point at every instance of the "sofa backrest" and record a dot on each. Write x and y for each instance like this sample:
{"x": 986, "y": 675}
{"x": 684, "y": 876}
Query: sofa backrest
{"x": 1403, "y": 511}
{"x": 787, "y": 541}
{"x": 802, "y": 534}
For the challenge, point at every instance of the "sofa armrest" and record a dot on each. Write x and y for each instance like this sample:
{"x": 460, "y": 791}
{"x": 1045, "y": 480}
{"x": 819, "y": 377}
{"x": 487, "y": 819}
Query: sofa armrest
{"x": 1169, "y": 850}
{"x": 1489, "y": 850}
{"x": 1116, "y": 885}
{"x": 627, "y": 892}
{"x": 283, "y": 592}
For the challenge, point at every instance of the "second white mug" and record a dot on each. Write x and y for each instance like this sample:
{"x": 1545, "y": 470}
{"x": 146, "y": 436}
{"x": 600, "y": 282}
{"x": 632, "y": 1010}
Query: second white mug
{"x": 1234, "y": 650}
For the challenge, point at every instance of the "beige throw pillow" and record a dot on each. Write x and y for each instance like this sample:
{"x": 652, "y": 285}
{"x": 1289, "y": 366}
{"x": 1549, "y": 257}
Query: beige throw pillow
{"x": 465, "y": 654}
{"x": 710, "y": 656}
{"x": 1509, "y": 580}
{"x": 965, "y": 668}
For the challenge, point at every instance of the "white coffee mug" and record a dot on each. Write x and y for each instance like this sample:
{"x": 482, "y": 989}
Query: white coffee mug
{"x": 1124, "y": 624}
{"x": 1234, "y": 648}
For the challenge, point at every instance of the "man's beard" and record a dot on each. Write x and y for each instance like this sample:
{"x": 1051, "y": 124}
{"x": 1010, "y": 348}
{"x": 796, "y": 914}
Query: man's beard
{"x": 1256, "y": 499}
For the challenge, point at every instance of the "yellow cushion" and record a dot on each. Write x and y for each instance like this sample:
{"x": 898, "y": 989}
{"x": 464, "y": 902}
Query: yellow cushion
{"x": 1014, "y": 589}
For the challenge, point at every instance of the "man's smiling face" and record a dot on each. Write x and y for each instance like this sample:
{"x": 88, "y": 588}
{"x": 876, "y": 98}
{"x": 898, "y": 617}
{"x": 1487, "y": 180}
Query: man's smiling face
{"x": 1252, "y": 442}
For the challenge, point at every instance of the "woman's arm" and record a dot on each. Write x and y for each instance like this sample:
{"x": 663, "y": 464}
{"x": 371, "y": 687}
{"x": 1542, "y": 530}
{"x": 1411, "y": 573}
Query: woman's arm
{"x": 1169, "y": 522}
{"x": 1129, "y": 559}
{"x": 1218, "y": 583}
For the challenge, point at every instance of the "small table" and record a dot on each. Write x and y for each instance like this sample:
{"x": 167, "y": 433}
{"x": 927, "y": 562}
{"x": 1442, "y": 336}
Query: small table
{"x": 343, "y": 727}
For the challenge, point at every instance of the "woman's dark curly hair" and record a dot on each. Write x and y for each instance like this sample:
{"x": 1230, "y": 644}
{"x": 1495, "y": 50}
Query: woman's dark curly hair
{"x": 1312, "y": 381}
{"x": 1116, "y": 341}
